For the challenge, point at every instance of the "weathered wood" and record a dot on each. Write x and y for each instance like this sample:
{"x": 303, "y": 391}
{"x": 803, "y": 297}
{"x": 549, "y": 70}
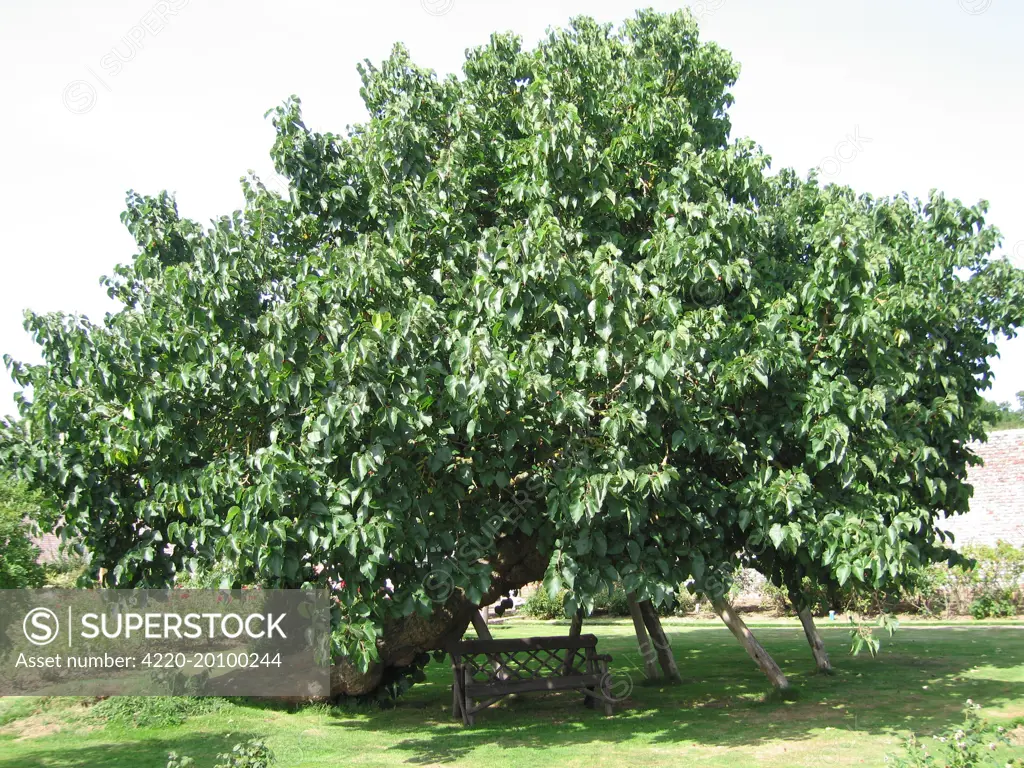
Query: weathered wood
{"x": 480, "y": 625}
{"x": 467, "y": 703}
{"x": 642, "y": 640}
{"x": 512, "y": 644}
{"x": 661, "y": 643}
{"x": 479, "y": 619}
{"x": 753, "y": 648}
{"x": 536, "y": 684}
{"x": 485, "y": 670}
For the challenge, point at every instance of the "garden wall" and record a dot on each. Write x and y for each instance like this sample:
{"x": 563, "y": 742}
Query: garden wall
{"x": 997, "y": 507}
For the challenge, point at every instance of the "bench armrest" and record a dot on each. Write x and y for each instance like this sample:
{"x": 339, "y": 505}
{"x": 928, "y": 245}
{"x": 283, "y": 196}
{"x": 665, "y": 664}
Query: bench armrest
{"x": 603, "y": 657}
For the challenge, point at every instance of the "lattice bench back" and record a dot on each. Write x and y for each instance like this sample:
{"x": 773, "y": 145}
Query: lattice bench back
{"x": 486, "y": 670}
{"x": 528, "y": 658}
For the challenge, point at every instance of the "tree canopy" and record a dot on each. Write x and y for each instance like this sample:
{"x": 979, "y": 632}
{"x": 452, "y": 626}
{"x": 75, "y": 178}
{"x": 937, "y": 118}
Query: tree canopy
{"x": 554, "y": 280}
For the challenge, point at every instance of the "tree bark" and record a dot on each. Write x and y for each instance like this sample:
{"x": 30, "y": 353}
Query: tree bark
{"x": 814, "y": 640}
{"x": 753, "y": 648}
{"x": 574, "y": 631}
{"x": 642, "y": 640}
{"x": 661, "y": 643}
{"x": 518, "y": 562}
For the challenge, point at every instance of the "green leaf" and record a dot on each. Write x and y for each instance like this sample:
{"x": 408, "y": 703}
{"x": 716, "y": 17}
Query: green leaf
{"x": 843, "y": 573}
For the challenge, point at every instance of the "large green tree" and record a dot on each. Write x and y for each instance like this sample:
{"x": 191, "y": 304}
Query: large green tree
{"x": 554, "y": 286}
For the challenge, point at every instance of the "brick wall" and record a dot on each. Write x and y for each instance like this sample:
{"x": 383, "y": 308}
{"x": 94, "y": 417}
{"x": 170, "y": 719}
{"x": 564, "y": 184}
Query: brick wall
{"x": 997, "y": 507}
{"x": 48, "y": 548}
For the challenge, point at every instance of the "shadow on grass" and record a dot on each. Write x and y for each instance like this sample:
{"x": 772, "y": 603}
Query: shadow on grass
{"x": 148, "y": 751}
{"x": 919, "y": 683}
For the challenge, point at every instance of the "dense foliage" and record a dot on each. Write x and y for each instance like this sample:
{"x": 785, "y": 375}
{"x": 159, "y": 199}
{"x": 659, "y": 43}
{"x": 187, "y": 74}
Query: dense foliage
{"x": 988, "y": 581}
{"x": 552, "y": 285}
{"x": 1004, "y": 416}
{"x": 19, "y": 556}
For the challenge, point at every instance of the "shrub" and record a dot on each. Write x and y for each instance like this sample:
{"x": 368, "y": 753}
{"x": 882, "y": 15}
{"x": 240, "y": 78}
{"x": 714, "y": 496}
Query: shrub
{"x": 252, "y": 754}
{"x": 19, "y": 566}
{"x": 618, "y": 603}
{"x": 775, "y": 599}
{"x": 539, "y": 606}
{"x": 66, "y": 572}
{"x": 999, "y": 605}
{"x": 970, "y": 745}
{"x": 685, "y": 603}
{"x": 988, "y": 582}
{"x": 612, "y": 603}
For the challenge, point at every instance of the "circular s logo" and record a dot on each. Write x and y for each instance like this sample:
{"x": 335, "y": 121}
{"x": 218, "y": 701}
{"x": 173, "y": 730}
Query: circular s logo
{"x": 41, "y": 626}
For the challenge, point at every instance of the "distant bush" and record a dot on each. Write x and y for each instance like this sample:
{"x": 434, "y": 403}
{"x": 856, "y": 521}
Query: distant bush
{"x": 994, "y": 606}
{"x": 989, "y": 583}
{"x": 995, "y": 584}
{"x": 19, "y": 566}
{"x": 612, "y": 603}
{"x": 66, "y": 572}
{"x": 685, "y": 603}
{"x": 539, "y": 606}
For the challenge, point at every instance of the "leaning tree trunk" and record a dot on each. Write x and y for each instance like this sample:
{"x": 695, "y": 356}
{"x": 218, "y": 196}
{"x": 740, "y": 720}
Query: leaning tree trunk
{"x": 661, "y": 643}
{"x": 753, "y": 648}
{"x": 813, "y": 636}
{"x": 642, "y": 640}
{"x": 518, "y": 563}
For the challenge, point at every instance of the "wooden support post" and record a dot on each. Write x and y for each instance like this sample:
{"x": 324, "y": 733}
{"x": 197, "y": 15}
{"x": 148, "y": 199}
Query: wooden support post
{"x": 574, "y": 632}
{"x": 753, "y": 648}
{"x": 814, "y": 640}
{"x": 642, "y": 641}
{"x": 480, "y": 625}
{"x": 661, "y": 642}
{"x": 484, "y": 633}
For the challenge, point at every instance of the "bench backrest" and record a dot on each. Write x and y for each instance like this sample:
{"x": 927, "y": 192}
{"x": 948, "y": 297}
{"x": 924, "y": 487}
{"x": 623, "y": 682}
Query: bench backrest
{"x": 526, "y": 658}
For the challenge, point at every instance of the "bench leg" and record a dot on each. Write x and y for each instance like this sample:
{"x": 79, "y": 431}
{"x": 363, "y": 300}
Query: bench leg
{"x": 466, "y": 701}
{"x": 456, "y": 689}
{"x": 606, "y": 689}
{"x": 588, "y": 701}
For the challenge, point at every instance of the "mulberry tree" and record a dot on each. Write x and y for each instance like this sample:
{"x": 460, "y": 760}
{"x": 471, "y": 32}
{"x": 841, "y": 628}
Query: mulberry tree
{"x": 552, "y": 285}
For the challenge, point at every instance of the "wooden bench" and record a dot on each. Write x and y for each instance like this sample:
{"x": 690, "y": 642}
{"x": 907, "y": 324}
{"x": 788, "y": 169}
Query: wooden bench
{"x": 486, "y": 670}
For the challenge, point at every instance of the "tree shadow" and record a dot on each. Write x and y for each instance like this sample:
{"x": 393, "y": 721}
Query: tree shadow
{"x": 203, "y": 747}
{"x": 919, "y": 683}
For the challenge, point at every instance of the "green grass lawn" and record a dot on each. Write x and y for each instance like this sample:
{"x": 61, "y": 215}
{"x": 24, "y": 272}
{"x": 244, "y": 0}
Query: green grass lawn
{"x": 719, "y": 716}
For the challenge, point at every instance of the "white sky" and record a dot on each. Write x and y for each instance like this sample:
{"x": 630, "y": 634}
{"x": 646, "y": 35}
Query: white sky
{"x": 933, "y": 88}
